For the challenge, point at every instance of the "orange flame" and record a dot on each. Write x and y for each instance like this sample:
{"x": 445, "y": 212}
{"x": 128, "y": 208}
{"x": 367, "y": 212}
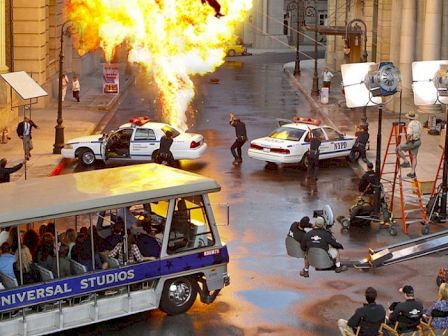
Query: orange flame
{"x": 173, "y": 39}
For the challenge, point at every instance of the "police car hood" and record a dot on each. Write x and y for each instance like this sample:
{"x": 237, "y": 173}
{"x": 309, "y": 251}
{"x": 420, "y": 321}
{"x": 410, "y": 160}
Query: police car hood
{"x": 88, "y": 138}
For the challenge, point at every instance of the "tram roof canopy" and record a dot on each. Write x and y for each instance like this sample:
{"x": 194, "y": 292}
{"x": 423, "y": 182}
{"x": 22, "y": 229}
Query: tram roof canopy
{"x": 92, "y": 191}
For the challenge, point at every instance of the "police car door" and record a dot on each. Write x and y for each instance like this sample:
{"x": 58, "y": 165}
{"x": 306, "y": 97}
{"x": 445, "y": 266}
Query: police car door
{"x": 143, "y": 144}
{"x": 337, "y": 144}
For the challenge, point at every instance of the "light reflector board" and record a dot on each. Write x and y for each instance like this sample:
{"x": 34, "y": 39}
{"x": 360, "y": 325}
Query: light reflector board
{"x": 356, "y": 92}
{"x": 425, "y": 93}
{"x": 24, "y": 85}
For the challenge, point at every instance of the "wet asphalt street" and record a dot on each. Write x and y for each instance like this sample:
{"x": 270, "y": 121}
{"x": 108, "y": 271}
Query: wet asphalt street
{"x": 266, "y": 295}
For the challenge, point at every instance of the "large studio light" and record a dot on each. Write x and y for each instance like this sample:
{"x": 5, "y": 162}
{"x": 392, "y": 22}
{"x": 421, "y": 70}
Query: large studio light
{"x": 365, "y": 84}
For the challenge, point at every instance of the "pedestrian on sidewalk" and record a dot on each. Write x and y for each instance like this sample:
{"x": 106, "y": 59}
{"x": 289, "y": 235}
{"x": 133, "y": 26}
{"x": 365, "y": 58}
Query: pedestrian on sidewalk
{"x": 368, "y": 318}
{"x": 64, "y": 80}
{"x": 23, "y": 130}
{"x": 241, "y": 138}
{"x": 76, "y": 87}
{"x": 6, "y": 172}
{"x": 413, "y": 142}
{"x": 327, "y": 76}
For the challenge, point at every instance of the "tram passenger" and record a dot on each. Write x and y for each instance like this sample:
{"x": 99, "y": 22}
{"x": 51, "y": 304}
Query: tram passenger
{"x": 64, "y": 263}
{"x": 42, "y": 230}
{"x": 4, "y": 234}
{"x": 7, "y": 260}
{"x": 116, "y": 235}
{"x": 134, "y": 254}
{"x": 13, "y": 239}
{"x": 82, "y": 253}
{"x": 407, "y": 313}
{"x": 70, "y": 241}
{"x": 31, "y": 240}
{"x": 29, "y": 276}
{"x": 45, "y": 251}
{"x": 147, "y": 243}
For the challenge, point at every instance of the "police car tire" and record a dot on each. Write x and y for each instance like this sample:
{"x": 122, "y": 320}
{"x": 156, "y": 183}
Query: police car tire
{"x": 231, "y": 53}
{"x": 83, "y": 153}
{"x": 305, "y": 161}
{"x": 168, "y": 306}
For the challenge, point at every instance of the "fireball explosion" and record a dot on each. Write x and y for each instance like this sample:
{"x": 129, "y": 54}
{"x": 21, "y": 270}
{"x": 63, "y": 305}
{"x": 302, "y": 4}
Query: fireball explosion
{"x": 172, "y": 39}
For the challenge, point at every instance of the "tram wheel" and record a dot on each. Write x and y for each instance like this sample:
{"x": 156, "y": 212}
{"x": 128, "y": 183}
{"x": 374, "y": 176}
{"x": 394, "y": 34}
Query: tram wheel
{"x": 178, "y": 295}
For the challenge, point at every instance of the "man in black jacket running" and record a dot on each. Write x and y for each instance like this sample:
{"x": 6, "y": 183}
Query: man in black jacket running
{"x": 241, "y": 138}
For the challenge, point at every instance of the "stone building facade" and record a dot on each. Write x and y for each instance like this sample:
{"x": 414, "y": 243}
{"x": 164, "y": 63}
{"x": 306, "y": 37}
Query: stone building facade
{"x": 32, "y": 44}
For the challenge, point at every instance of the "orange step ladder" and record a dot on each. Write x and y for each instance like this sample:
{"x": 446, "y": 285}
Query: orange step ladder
{"x": 408, "y": 188}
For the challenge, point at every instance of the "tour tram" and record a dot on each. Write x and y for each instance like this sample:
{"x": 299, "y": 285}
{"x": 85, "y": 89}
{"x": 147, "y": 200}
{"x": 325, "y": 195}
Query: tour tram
{"x": 192, "y": 259}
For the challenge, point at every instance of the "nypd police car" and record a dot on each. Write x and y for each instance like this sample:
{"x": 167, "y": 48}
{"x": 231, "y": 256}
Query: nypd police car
{"x": 289, "y": 143}
{"x": 138, "y": 140}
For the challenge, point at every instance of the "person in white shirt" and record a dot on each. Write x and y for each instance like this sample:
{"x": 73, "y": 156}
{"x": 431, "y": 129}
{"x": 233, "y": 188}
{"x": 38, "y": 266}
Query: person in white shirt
{"x": 327, "y": 76}
{"x": 76, "y": 88}
{"x": 413, "y": 142}
{"x": 64, "y": 80}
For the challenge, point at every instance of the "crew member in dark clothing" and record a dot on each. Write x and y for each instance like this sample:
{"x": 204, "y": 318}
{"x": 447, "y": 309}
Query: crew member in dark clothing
{"x": 313, "y": 157}
{"x": 367, "y": 183}
{"x": 215, "y": 5}
{"x": 319, "y": 237}
{"x": 165, "y": 154}
{"x": 368, "y": 318}
{"x": 6, "y": 172}
{"x": 407, "y": 313}
{"x": 297, "y": 229}
{"x": 360, "y": 144}
{"x": 241, "y": 138}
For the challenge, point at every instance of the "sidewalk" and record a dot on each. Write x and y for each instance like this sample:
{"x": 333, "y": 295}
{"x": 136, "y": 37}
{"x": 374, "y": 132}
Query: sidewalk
{"x": 88, "y": 116}
{"x": 347, "y": 119}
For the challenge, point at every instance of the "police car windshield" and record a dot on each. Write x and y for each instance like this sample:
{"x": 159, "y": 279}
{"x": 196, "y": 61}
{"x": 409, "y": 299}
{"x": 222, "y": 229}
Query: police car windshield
{"x": 174, "y": 131}
{"x": 287, "y": 133}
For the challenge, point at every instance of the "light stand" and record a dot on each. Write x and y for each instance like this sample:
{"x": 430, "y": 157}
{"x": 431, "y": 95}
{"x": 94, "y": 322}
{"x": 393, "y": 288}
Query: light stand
{"x": 444, "y": 188}
{"x": 59, "y": 129}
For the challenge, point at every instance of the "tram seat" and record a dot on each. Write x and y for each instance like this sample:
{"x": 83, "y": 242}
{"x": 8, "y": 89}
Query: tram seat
{"x": 76, "y": 268}
{"x": 319, "y": 258}
{"x": 293, "y": 248}
{"x": 45, "y": 274}
{"x": 113, "y": 263}
{"x": 7, "y": 281}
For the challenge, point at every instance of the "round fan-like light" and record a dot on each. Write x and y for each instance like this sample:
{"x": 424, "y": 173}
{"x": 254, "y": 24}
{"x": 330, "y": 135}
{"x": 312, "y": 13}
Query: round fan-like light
{"x": 385, "y": 81}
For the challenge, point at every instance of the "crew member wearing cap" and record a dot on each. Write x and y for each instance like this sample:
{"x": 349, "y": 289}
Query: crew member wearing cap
{"x": 407, "y": 313}
{"x": 367, "y": 180}
{"x": 368, "y": 318}
{"x": 413, "y": 142}
{"x": 362, "y": 137}
{"x": 319, "y": 237}
{"x": 241, "y": 138}
{"x": 6, "y": 172}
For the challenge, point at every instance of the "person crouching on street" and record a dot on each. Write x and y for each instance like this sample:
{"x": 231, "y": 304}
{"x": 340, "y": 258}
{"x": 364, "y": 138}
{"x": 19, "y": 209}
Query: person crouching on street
{"x": 241, "y": 138}
{"x": 319, "y": 237}
{"x": 165, "y": 154}
{"x": 362, "y": 138}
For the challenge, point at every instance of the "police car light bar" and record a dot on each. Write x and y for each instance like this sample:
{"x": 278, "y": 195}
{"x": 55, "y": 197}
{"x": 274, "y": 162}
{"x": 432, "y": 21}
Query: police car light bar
{"x": 309, "y": 121}
{"x": 430, "y": 82}
{"x": 139, "y": 121}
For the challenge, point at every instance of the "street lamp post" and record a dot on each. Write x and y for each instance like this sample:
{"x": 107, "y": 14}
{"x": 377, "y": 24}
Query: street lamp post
{"x": 295, "y": 5}
{"x": 59, "y": 129}
{"x": 310, "y": 11}
{"x": 364, "y": 53}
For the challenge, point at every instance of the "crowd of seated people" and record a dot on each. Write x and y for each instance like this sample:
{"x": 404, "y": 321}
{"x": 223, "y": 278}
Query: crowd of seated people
{"x": 39, "y": 248}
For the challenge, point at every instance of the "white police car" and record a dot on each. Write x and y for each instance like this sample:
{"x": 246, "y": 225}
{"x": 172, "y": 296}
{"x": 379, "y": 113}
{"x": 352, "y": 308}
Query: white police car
{"x": 138, "y": 140}
{"x": 289, "y": 143}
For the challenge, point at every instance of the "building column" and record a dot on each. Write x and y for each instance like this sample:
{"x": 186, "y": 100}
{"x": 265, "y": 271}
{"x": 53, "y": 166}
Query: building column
{"x": 3, "y": 66}
{"x": 444, "y": 48}
{"x": 421, "y": 9}
{"x": 432, "y": 38}
{"x": 394, "y": 51}
{"x": 407, "y": 45}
